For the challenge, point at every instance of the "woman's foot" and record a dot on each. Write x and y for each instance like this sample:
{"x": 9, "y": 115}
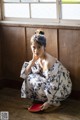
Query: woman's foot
{"x": 46, "y": 106}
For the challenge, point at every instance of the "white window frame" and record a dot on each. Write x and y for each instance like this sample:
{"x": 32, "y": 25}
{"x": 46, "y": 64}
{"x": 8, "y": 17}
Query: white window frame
{"x": 41, "y": 20}
{"x": 59, "y": 19}
{"x": 68, "y": 21}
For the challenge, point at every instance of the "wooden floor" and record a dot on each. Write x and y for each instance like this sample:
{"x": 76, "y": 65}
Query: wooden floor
{"x": 10, "y": 101}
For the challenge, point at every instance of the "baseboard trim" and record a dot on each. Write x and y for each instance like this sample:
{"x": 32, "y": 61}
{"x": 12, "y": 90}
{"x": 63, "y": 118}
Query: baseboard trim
{"x": 2, "y": 83}
{"x": 16, "y": 84}
{"x": 75, "y": 94}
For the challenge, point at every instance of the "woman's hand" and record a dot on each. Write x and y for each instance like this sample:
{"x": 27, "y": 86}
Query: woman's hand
{"x": 45, "y": 106}
{"x": 35, "y": 57}
{"x": 31, "y": 63}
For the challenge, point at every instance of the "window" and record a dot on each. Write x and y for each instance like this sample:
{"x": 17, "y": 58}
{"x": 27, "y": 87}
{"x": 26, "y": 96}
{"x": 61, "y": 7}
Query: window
{"x": 43, "y": 10}
{"x": 16, "y": 10}
{"x": 71, "y": 9}
{"x": 30, "y": 9}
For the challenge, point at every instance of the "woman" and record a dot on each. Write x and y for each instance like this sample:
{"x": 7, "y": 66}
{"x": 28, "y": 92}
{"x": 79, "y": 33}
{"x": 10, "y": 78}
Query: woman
{"x": 45, "y": 78}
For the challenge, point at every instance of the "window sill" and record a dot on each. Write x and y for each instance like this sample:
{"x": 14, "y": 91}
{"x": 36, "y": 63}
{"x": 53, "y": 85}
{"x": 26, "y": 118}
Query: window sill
{"x": 41, "y": 24}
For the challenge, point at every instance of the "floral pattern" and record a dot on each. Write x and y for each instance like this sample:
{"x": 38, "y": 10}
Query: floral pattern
{"x": 52, "y": 85}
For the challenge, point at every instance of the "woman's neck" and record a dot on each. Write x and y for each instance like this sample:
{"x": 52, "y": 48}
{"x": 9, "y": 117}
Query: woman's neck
{"x": 43, "y": 56}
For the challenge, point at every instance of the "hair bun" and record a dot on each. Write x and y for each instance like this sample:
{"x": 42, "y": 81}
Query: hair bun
{"x": 39, "y": 32}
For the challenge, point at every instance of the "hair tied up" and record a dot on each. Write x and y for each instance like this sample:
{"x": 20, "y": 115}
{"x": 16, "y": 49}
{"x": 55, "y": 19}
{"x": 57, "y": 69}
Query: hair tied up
{"x": 39, "y": 32}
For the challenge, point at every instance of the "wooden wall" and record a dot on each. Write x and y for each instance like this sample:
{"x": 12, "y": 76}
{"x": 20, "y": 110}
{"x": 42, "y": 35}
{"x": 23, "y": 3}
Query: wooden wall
{"x": 61, "y": 42}
{"x": 0, "y": 42}
{"x": 1, "y": 79}
{"x": 16, "y": 44}
{"x": 69, "y": 53}
{"x": 0, "y": 9}
{"x": 0, "y": 56}
{"x": 13, "y": 52}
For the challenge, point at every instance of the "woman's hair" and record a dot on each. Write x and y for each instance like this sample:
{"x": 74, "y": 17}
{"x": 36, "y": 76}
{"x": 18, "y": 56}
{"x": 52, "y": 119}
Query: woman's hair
{"x": 39, "y": 37}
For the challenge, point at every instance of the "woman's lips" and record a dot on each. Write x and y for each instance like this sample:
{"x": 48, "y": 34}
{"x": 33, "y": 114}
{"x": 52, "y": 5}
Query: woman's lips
{"x": 36, "y": 54}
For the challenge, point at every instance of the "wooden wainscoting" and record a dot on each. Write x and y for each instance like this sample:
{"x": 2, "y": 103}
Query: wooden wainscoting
{"x": 0, "y": 62}
{"x": 13, "y": 51}
{"x": 69, "y": 54}
{"x": 62, "y": 42}
{"x": 0, "y": 53}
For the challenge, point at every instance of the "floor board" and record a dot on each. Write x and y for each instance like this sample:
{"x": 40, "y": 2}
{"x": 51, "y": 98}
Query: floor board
{"x": 10, "y": 101}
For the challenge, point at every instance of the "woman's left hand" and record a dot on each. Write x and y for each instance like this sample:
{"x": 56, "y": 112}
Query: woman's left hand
{"x": 45, "y": 106}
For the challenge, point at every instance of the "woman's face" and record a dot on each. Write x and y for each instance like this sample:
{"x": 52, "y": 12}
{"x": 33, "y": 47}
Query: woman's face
{"x": 37, "y": 49}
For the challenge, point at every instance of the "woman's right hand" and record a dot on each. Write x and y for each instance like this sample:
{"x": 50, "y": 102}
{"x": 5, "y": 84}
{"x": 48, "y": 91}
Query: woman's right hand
{"x": 31, "y": 63}
{"x": 35, "y": 57}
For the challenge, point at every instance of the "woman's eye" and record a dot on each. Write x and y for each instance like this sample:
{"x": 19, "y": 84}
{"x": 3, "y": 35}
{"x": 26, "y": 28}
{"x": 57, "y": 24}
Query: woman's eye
{"x": 39, "y": 47}
{"x": 33, "y": 47}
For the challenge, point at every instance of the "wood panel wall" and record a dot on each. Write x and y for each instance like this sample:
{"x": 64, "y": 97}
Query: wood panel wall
{"x": 62, "y": 43}
{"x": 16, "y": 49}
{"x": 0, "y": 56}
{"x": 0, "y": 9}
{"x": 69, "y": 53}
{"x": 1, "y": 79}
{"x": 13, "y": 51}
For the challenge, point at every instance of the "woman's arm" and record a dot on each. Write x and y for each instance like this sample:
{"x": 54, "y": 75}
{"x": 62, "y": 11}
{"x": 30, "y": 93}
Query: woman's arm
{"x": 28, "y": 68}
{"x": 31, "y": 63}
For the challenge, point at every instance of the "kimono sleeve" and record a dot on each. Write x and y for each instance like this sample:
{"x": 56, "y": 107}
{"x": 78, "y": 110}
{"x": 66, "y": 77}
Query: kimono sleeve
{"x": 22, "y": 74}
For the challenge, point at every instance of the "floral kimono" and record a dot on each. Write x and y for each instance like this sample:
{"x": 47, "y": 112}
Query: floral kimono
{"x": 52, "y": 85}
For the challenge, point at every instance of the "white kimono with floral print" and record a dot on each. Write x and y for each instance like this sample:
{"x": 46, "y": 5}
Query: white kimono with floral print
{"x": 53, "y": 85}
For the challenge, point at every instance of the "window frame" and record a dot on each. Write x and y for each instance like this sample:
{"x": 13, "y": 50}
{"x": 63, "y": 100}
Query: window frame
{"x": 30, "y": 19}
{"x": 59, "y": 19}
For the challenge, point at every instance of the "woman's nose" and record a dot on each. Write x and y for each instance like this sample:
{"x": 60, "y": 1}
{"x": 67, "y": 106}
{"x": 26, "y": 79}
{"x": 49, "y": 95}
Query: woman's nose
{"x": 36, "y": 50}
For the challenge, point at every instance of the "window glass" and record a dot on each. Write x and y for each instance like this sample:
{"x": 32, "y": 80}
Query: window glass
{"x": 29, "y": 0}
{"x": 43, "y": 10}
{"x": 11, "y": 0}
{"x": 16, "y": 10}
{"x": 47, "y": 0}
{"x": 71, "y": 11}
